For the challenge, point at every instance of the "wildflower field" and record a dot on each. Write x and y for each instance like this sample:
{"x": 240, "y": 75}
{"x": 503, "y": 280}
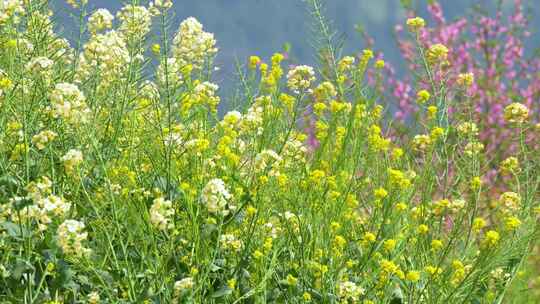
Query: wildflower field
{"x": 126, "y": 177}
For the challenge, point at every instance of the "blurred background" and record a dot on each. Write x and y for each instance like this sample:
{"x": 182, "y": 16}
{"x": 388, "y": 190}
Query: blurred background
{"x": 262, "y": 27}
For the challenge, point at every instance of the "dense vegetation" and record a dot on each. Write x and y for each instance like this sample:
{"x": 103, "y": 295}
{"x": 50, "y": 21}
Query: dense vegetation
{"x": 121, "y": 183}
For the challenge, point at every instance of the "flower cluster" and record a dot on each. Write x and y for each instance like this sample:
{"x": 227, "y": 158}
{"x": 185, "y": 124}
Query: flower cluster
{"x": 192, "y": 45}
{"x": 125, "y": 183}
{"x": 300, "y": 78}
{"x": 216, "y": 197}
{"x": 161, "y": 214}
{"x": 69, "y": 103}
{"x": 100, "y": 20}
{"x": 71, "y": 235}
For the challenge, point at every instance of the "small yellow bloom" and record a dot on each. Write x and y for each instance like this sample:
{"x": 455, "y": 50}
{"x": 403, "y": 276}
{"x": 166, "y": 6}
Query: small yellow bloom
{"x": 510, "y": 165}
{"x": 291, "y": 280}
{"x": 422, "y": 229}
{"x": 369, "y": 237}
{"x": 415, "y": 24}
{"x": 401, "y": 207}
{"x": 478, "y": 223}
{"x": 231, "y": 283}
{"x": 465, "y": 79}
{"x": 436, "y": 245}
{"x": 491, "y": 238}
{"x": 516, "y": 113}
{"x": 389, "y": 244}
{"x": 413, "y": 276}
{"x": 422, "y": 96}
{"x": 254, "y": 61}
{"x": 512, "y": 223}
{"x": 437, "y": 53}
{"x": 379, "y": 64}
{"x": 380, "y": 193}
{"x": 432, "y": 270}
{"x": 432, "y": 112}
{"x": 156, "y": 49}
{"x": 436, "y": 133}
{"x": 476, "y": 183}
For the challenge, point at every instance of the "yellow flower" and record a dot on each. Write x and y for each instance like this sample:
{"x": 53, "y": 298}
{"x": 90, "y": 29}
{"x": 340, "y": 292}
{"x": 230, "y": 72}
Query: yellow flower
{"x": 510, "y": 201}
{"x": 437, "y": 53}
{"x": 512, "y": 223}
{"x": 413, "y": 276}
{"x": 422, "y": 96}
{"x": 397, "y": 153}
{"x": 510, "y": 165}
{"x": 422, "y": 229}
{"x": 415, "y": 24}
{"x": 5, "y": 83}
{"x": 291, "y": 280}
{"x": 491, "y": 238}
{"x": 389, "y": 244}
{"x": 467, "y": 129}
{"x": 156, "y": 49}
{"x": 432, "y": 112}
{"x": 257, "y": 254}
{"x": 432, "y": 270}
{"x": 345, "y": 63}
{"x": 436, "y": 133}
{"x": 340, "y": 241}
{"x": 465, "y": 79}
{"x": 277, "y": 58}
{"x": 436, "y": 245}
{"x": 516, "y": 113}
{"x": 401, "y": 207}
{"x": 473, "y": 148}
{"x": 231, "y": 283}
{"x": 369, "y": 237}
{"x": 316, "y": 176}
{"x": 478, "y": 223}
{"x": 379, "y": 64}
{"x": 421, "y": 143}
{"x": 380, "y": 193}
{"x": 367, "y": 54}
{"x": 476, "y": 183}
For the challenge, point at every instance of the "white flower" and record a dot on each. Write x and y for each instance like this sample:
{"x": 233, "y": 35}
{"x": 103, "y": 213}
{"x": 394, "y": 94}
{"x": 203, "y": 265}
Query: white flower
{"x": 100, "y": 20}
{"x": 10, "y": 8}
{"x": 266, "y": 158}
{"x": 72, "y": 159}
{"x": 349, "y": 290}
{"x": 192, "y": 45}
{"x": 174, "y": 75}
{"x": 106, "y": 54}
{"x": 93, "y": 298}
{"x": 134, "y": 20}
{"x": 76, "y": 3}
{"x": 300, "y": 78}
{"x": 156, "y": 7}
{"x": 183, "y": 285}
{"x": 216, "y": 196}
{"x": 70, "y": 236}
{"x": 161, "y": 214}
{"x": 230, "y": 242}
{"x": 232, "y": 118}
{"x": 40, "y": 65}
{"x": 41, "y": 139}
{"x": 68, "y": 103}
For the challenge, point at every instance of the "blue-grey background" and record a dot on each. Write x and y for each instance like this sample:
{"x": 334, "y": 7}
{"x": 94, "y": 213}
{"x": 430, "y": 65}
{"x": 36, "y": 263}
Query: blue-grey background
{"x": 262, "y": 27}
